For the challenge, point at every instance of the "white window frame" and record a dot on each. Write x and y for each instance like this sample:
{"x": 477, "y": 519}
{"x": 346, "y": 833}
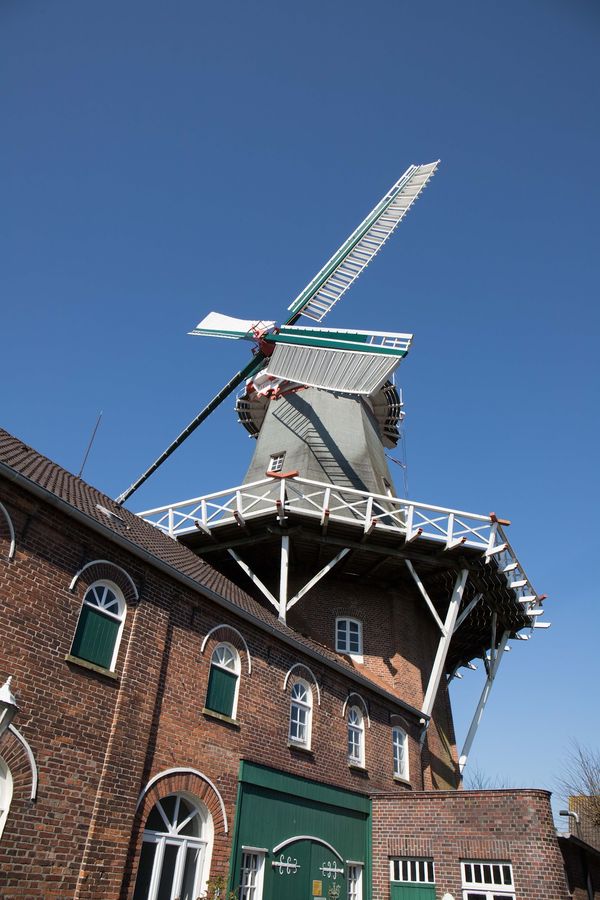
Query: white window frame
{"x": 355, "y": 722}
{"x": 247, "y": 890}
{"x": 355, "y": 880}
{"x": 6, "y": 792}
{"x": 236, "y": 669}
{"x": 305, "y": 706}
{"x": 412, "y": 870}
{"x": 343, "y": 646}
{"x": 119, "y": 617}
{"x": 276, "y": 462}
{"x": 170, "y": 837}
{"x": 479, "y": 879}
{"x": 400, "y": 753}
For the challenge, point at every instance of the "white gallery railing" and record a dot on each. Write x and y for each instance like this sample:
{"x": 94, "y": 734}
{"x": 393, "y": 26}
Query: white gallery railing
{"x": 367, "y": 512}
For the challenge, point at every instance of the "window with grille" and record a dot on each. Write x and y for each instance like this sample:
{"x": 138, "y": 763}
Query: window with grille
{"x": 348, "y": 636}
{"x": 355, "y": 881}
{"x": 412, "y": 870}
{"x": 100, "y": 625}
{"x": 356, "y": 737}
{"x": 482, "y": 880}
{"x": 400, "y": 749}
{"x": 300, "y": 713}
{"x": 251, "y": 880}
{"x": 276, "y": 462}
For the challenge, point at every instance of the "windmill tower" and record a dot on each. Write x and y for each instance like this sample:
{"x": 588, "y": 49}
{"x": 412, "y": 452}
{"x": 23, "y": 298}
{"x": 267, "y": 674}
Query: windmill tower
{"x": 408, "y": 592}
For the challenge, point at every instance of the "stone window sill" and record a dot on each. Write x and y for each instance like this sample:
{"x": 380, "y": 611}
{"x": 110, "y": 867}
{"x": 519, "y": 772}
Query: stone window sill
{"x": 227, "y": 720}
{"x": 301, "y": 748}
{"x": 403, "y": 781}
{"x": 85, "y": 664}
{"x": 360, "y": 770}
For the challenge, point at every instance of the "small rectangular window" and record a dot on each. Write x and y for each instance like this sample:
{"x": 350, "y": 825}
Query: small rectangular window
{"x": 491, "y": 880}
{"x": 348, "y": 636}
{"x": 276, "y": 462}
{"x": 412, "y": 870}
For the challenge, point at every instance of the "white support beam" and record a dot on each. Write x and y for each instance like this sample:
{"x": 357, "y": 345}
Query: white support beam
{"x": 283, "y": 575}
{"x": 493, "y": 639}
{"x": 254, "y": 579}
{"x": 316, "y": 578}
{"x": 424, "y": 594}
{"x": 471, "y": 605}
{"x": 444, "y": 643}
{"x": 482, "y": 702}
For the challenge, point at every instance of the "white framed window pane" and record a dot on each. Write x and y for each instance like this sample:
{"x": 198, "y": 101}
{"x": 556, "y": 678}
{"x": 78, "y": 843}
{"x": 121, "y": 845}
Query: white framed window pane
{"x": 193, "y": 856}
{"x": 298, "y": 723}
{"x": 276, "y": 462}
{"x": 411, "y": 870}
{"x": 354, "y": 882}
{"x": 223, "y": 656}
{"x": 251, "y": 876}
{"x": 167, "y": 874}
{"x": 144, "y": 875}
{"x": 354, "y": 637}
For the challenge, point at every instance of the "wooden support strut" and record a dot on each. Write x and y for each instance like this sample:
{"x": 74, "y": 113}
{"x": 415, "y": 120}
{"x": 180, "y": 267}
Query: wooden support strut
{"x": 444, "y": 644}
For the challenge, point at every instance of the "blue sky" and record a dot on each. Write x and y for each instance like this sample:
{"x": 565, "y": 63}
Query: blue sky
{"x": 163, "y": 160}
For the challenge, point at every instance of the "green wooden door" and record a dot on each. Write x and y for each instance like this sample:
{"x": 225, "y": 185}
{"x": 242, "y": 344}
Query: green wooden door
{"x": 306, "y": 869}
{"x": 327, "y": 873}
{"x": 289, "y": 873}
{"x": 413, "y": 891}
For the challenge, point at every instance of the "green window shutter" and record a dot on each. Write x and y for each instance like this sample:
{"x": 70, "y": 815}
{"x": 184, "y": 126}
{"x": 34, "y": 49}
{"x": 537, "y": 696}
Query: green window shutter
{"x": 95, "y": 637}
{"x": 221, "y": 691}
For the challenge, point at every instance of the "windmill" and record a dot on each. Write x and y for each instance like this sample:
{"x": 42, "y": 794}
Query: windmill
{"x": 348, "y": 361}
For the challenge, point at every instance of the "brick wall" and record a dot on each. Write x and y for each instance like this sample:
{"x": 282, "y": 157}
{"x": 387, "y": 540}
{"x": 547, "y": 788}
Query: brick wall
{"x": 98, "y": 740}
{"x": 450, "y": 826}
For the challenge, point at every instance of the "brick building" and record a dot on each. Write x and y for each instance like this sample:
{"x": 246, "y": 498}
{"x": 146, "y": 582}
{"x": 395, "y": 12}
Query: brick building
{"x": 187, "y": 712}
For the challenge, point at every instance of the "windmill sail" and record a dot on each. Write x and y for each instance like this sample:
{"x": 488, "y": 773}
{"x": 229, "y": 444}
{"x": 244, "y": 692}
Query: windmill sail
{"x": 217, "y": 325}
{"x": 344, "y": 267}
{"x": 353, "y": 362}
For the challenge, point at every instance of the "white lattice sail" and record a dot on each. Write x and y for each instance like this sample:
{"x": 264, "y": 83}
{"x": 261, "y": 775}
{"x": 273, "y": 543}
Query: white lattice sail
{"x": 346, "y": 264}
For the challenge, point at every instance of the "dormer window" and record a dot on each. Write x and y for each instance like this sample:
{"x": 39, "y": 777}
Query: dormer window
{"x": 276, "y": 462}
{"x": 348, "y": 637}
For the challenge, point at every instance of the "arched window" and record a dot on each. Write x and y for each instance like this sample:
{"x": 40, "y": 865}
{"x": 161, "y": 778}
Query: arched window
{"x": 300, "y": 713}
{"x": 400, "y": 745}
{"x": 6, "y": 789}
{"x": 100, "y": 625}
{"x": 223, "y": 681}
{"x": 356, "y": 736}
{"x": 176, "y": 849}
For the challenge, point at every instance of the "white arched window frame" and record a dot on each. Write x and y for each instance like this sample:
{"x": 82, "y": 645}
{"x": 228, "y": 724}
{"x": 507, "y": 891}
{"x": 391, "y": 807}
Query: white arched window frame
{"x": 356, "y": 736}
{"x": 100, "y": 625}
{"x": 176, "y": 850}
{"x": 349, "y": 637}
{"x": 6, "y": 790}
{"x": 400, "y": 748}
{"x": 224, "y": 680}
{"x": 301, "y": 703}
